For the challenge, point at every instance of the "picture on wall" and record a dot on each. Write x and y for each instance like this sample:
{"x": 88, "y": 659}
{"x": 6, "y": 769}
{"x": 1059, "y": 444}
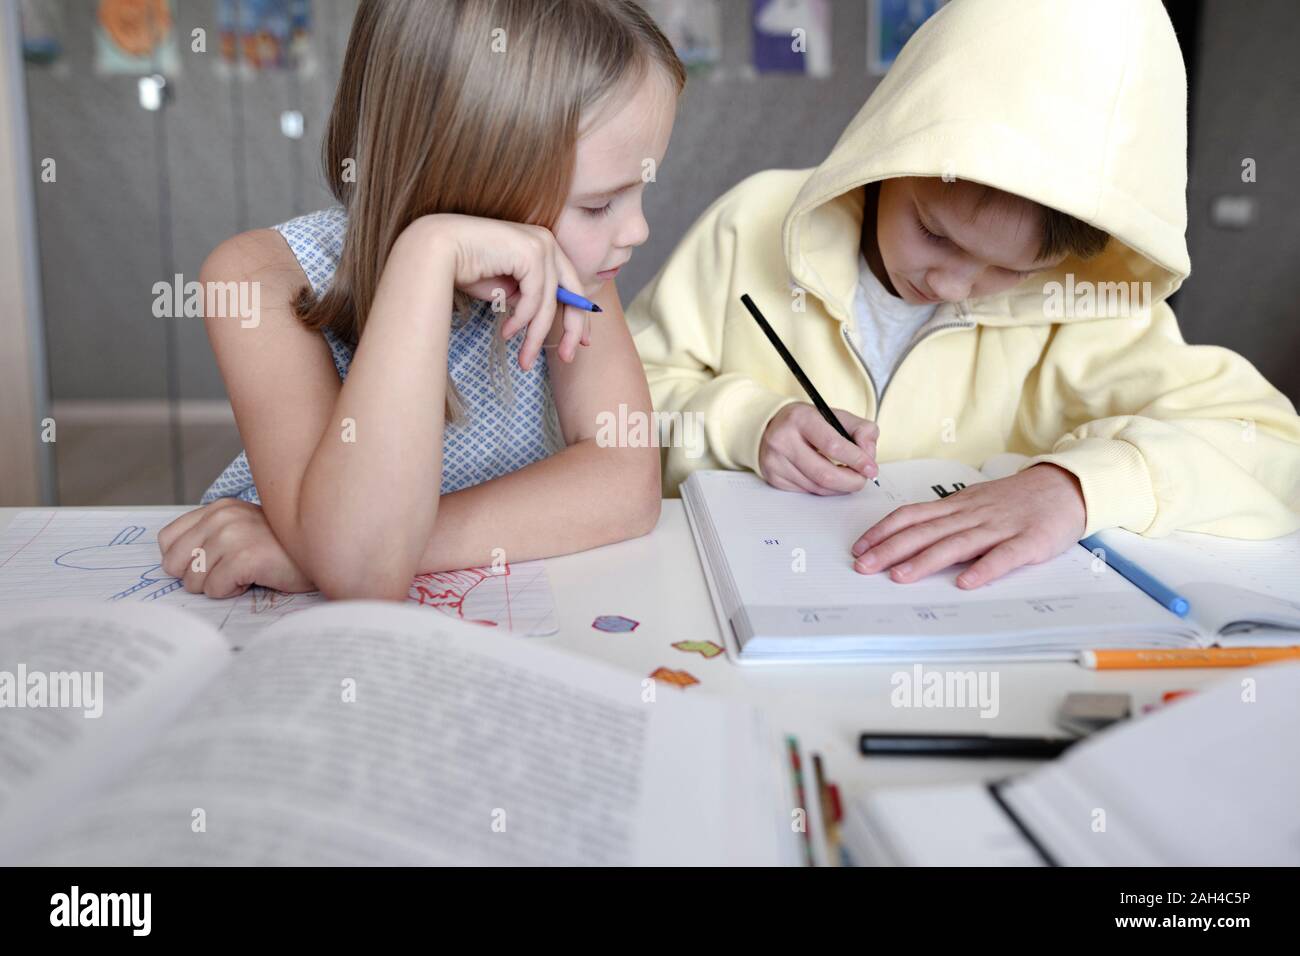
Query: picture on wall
{"x": 792, "y": 36}
{"x": 135, "y": 37}
{"x": 890, "y": 24}
{"x": 694, "y": 27}
{"x": 262, "y": 35}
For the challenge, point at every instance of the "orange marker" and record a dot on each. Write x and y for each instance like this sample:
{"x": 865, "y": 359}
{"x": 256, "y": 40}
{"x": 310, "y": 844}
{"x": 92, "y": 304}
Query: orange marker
{"x": 1187, "y": 657}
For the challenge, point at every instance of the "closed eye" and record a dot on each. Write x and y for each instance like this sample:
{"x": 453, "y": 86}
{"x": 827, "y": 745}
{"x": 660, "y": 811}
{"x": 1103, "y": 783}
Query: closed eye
{"x": 928, "y": 234}
{"x": 597, "y": 211}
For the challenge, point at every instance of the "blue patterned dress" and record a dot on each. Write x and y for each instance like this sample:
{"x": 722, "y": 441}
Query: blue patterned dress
{"x": 508, "y": 416}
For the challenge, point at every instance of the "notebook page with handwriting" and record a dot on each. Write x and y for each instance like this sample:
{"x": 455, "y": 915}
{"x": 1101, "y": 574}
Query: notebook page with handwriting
{"x": 789, "y": 588}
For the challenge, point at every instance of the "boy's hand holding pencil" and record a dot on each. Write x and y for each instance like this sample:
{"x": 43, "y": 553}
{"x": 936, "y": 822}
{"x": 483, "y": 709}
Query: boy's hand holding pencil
{"x": 801, "y": 451}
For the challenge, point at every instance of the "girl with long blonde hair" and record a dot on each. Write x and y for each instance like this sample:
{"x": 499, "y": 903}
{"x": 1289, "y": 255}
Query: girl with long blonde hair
{"x": 411, "y": 397}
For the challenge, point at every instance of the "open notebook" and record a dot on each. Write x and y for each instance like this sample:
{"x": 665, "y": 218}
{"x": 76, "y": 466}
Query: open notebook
{"x": 368, "y": 733}
{"x": 1210, "y": 780}
{"x": 781, "y": 576}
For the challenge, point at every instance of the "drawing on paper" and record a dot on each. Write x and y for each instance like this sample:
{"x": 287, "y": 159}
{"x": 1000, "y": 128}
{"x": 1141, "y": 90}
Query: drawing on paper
{"x": 448, "y": 591}
{"x": 48, "y": 555}
{"x": 125, "y": 553}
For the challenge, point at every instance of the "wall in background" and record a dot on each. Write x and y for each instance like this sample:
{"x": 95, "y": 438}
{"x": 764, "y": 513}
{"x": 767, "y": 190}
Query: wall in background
{"x": 142, "y": 195}
{"x": 1244, "y": 290}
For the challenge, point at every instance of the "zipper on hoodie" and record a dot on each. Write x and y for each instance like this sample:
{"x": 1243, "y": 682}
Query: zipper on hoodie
{"x": 880, "y": 397}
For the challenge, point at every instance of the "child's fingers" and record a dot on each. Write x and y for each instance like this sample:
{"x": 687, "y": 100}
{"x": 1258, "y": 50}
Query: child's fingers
{"x": 179, "y": 557}
{"x": 1007, "y": 556}
{"x": 885, "y": 548}
{"x": 168, "y": 535}
{"x": 863, "y": 430}
{"x": 864, "y": 434}
{"x": 833, "y": 445}
{"x": 227, "y": 578}
{"x": 575, "y": 320}
{"x": 493, "y": 290}
{"x": 897, "y": 520}
{"x": 539, "y": 325}
{"x": 536, "y": 288}
{"x": 828, "y": 477}
{"x": 952, "y": 548}
{"x": 786, "y": 477}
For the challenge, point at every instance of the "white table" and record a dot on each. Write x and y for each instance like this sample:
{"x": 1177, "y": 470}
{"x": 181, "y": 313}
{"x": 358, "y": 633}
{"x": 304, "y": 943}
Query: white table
{"x": 658, "y": 581}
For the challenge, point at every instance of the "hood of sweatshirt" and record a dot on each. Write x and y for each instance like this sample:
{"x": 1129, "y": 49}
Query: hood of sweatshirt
{"x": 1080, "y": 105}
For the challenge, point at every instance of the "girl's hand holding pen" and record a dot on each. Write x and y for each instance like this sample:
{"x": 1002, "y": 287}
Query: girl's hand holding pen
{"x": 801, "y": 451}
{"x": 519, "y": 265}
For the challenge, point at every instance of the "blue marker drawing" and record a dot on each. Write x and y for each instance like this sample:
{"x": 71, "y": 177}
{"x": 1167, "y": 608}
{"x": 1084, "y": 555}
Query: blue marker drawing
{"x": 125, "y": 553}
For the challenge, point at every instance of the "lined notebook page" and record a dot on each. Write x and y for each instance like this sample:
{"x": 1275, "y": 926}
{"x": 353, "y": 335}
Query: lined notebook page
{"x": 1270, "y": 566}
{"x": 1244, "y": 592}
{"x": 785, "y": 549}
{"x": 767, "y": 532}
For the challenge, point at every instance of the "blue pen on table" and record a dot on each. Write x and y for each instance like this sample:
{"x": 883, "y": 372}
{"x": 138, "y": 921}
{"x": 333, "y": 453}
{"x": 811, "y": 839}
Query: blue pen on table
{"x": 575, "y": 300}
{"x": 1167, "y": 597}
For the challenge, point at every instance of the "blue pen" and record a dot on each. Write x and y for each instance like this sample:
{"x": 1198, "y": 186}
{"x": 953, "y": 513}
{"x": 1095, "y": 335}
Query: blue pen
{"x": 1169, "y": 599}
{"x": 575, "y": 300}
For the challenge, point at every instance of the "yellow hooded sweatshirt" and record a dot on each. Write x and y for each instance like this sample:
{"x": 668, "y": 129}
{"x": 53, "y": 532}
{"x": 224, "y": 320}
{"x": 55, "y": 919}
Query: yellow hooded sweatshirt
{"x": 1076, "y": 104}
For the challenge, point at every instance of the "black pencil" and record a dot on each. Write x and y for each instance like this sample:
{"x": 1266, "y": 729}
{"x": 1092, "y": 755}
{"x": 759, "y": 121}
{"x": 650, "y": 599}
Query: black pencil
{"x": 797, "y": 372}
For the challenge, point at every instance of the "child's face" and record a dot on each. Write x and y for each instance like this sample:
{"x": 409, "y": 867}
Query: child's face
{"x": 602, "y": 222}
{"x": 933, "y": 251}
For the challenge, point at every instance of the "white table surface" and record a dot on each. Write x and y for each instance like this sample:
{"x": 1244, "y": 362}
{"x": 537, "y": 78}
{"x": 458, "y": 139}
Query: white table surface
{"x": 658, "y": 581}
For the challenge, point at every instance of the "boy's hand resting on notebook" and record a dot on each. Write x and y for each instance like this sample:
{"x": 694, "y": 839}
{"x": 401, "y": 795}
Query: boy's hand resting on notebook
{"x": 239, "y": 550}
{"x": 1026, "y": 518}
{"x": 800, "y": 450}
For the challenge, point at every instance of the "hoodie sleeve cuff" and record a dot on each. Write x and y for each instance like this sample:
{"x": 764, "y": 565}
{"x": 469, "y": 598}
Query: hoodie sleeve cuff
{"x": 1116, "y": 484}
{"x": 748, "y": 410}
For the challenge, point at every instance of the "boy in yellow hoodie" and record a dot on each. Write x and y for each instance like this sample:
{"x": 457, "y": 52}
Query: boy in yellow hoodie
{"x": 988, "y": 248}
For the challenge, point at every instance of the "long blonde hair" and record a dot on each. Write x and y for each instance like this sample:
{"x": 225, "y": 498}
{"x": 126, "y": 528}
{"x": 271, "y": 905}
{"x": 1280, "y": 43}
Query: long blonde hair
{"x": 465, "y": 106}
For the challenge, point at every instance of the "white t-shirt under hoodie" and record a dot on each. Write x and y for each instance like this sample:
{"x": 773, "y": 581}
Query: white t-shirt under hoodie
{"x": 885, "y": 325}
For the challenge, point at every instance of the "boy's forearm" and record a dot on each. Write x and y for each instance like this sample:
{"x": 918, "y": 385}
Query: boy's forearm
{"x": 584, "y": 496}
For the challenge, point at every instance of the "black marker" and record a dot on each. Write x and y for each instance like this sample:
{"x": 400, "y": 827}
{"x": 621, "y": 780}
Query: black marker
{"x": 962, "y": 745}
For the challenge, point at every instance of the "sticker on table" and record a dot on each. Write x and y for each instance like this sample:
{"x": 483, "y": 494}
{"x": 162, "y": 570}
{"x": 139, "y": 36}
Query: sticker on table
{"x": 706, "y": 648}
{"x": 667, "y": 675}
{"x": 615, "y": 624}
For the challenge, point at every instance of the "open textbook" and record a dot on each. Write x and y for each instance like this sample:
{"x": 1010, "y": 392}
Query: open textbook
{"x": 1210, "y": 780}
{"x": 365, "y": 733}
{"x": 781, "y": 576}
